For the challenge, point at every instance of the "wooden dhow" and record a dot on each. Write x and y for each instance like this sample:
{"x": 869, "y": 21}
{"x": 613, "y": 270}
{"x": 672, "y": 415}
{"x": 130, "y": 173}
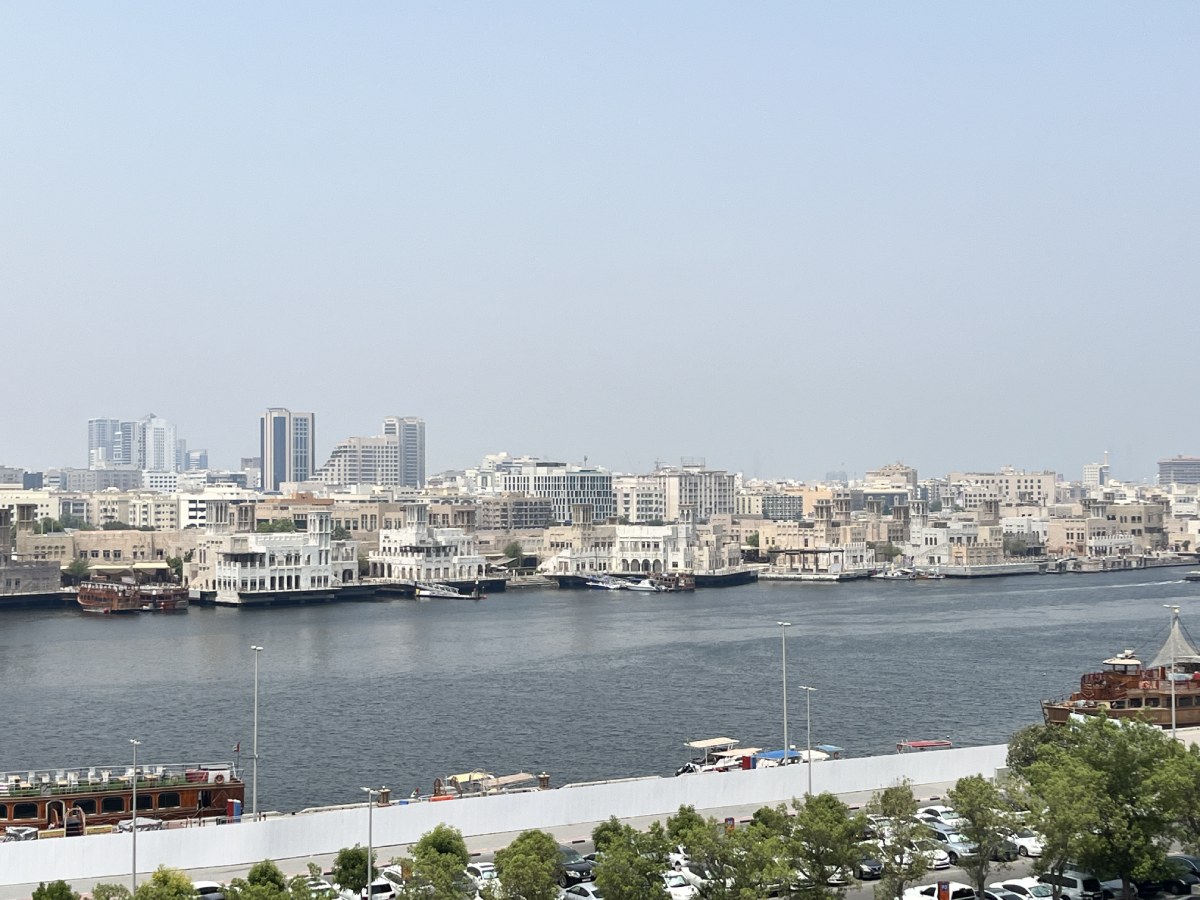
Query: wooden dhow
{"x": 1127, "y": 688}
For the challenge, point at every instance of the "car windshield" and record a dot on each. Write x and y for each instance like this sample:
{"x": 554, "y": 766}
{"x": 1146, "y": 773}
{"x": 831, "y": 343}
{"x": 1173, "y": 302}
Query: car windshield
{"x": 569, "y": 855}
{"x": 1040, "y": 890}
{"x": 955, "y": 838}
{"x": 1027, "y": 833}
{"x": 676, "y": 880}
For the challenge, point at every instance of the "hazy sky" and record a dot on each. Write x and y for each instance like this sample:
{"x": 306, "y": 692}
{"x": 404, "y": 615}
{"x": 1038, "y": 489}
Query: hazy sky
{"x": 787, "y": 237}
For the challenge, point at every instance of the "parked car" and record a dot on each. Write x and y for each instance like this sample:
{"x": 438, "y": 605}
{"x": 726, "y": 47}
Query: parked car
{"x": 574, "y": 867}
{"x": 1183, "y": 873}
{"x": 1027, "y": 888}
{"x": 944, "y": 814}
{"x": 1115, "y": 888}
{"x": 1000, "y": 894}
{"x": 877, "y": 827}
{"x": 209, "y": 890}
{"x": 955, "y": 844}
{"x": 585, "y": 890}
{"x": 481, "y": 874}
{"x": 1028, "y": 841}
{"x": 1074, "y": 885}
{"x": 935, "y": 857}
{"x": 1005, "y": 850}
{"x": 870, "y": 863}
{"x": 678, "y": 887}
{"x": 958, "y": 891}
{"x": 320, "y": 889}
{"x": 379, "y": 889}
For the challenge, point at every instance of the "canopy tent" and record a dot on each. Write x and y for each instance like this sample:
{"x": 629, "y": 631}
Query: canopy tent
{"x": 1178, "y": 648}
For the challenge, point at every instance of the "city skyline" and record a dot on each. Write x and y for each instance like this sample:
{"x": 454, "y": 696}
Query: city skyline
{"x": 790, "y": 239}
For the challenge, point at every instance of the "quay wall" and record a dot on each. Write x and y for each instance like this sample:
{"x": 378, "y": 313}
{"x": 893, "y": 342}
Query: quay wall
{"x": 326, "y": 831}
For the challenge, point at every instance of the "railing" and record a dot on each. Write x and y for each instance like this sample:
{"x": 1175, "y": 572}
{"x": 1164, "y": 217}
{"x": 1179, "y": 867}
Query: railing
{"x": 100, "y": 780}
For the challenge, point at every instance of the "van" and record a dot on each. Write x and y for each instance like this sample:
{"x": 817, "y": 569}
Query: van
{"x": 1074, "y": 885}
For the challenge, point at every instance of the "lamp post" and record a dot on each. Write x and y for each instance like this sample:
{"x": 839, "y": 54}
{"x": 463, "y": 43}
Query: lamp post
{"x": 371, "y": 792}
{"x": 783, "y": 627}
{"x": 254, "y": 786}
{"x": 1174, "y": 615}
{"x": 133, "y": 866}
{"x": 808, "y": 692}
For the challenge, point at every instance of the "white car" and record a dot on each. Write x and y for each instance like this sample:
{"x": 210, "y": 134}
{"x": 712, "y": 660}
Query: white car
{"x": 586, "y": 890}
{"x": 1025, "y": 887}
{"x": 958, "y": 891}
{"x": 481, "y": 874}
{"x": 935, "y": 856}
{"x": 678, "y": 857}
{"x": 1028, "y": 841}
{"x": 209, "y": 890}
{"x": 678, "y": 887}
{"x": 944, "y": 814}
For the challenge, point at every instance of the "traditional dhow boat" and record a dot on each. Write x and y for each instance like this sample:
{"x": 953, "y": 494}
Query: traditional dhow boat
{"x": 131, "y": 589}
{"x": 74, "y": 801}
{"x": 1127, "y": 688}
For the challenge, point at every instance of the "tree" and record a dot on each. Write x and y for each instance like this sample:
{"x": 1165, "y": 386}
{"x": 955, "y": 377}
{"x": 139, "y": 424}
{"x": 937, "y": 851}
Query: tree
{"x": 1126, "y": 812}
{"x": 115, "y": 526}
{"x": 55, "y": 890}
{"x": 166, "y": 884}
{"x": 683, "y": 823}
{"x": 632, "y": 865}
{"x": 1024, "y": 745}
{"x": 978, "y": 801}
{"x": 276, "y": 526}
{"x": 439, "y": 858}
{"x": 530, "y": 867}
{"x": 513, "y": 550}
{"x": 774, "y": 819}
{"x": 77, "y": 570}
{"x": 350, "y": 868}
{"x": 106, "y": 891}
{"x": 752, "y": 539}
{"x": 267, "y": 873}
{"x": 176, "y": 564}
{"x": 886, "y": 550}
{"x": 1015, "y": 546}
{"x": 605, "y": 832}
{"x": 902, "y": 864}
{"x": 824, "y": 841}
{"x": 340, "y": 533}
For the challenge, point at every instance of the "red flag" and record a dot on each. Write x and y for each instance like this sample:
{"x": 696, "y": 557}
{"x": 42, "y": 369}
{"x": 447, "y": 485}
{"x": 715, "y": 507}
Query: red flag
{"x": 237, "y": 748}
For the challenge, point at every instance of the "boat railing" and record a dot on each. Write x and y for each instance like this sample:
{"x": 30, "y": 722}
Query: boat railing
{"x": 100, "y": 779}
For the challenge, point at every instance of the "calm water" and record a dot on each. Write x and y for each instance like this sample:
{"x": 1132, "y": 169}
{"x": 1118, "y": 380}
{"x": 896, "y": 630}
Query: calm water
{"x": 581, "y": 684}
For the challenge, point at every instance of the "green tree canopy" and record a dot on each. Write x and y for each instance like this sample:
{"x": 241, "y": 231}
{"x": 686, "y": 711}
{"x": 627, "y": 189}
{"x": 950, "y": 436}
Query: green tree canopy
{"x": 530, "y": 867}
{"x": 632, "y": 864}
{"x": 267, "y": 873}
{"x": 55, "y": 890}
{"x": 902, "y": 865}
{"x": 77, "y": 569}
{"x": 340, "y": 533}
{"x": 1126, "y": 811}
{"x": 824, "y": 841}
{"x": 605, "y": 832}
{"x": 514, "y": 550}
{"x": 439, "y": 858}
{"x": 350, "y": 868}
{"x": 276, "y": 526}
{"x": 681, "y": 825}
{"x": 979, "y": 802}
{"x": 166, "y": 884}
{"x": 106, "y": 891}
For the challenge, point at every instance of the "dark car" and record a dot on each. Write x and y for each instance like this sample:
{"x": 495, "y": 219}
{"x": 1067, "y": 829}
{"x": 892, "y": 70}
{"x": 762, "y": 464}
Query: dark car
{"x": 868, "y": 866}
{"x": 1005, "y": 851}
{"x": 1183, "y": 873}
{"x": 574, "y": 868}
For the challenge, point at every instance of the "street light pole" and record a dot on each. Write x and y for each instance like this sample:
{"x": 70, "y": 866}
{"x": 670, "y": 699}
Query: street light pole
{"x": 1174, "y": 615}
{"x": 783, "y": 627}
{"x": 136, "y": 744}
{"x": 808, "y": 692}
{"x": 371, "y": 792}
{"x": 254, "y": 787}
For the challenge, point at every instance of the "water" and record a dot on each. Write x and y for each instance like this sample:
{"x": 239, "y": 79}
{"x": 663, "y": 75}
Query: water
{"x": 581, "y": 684}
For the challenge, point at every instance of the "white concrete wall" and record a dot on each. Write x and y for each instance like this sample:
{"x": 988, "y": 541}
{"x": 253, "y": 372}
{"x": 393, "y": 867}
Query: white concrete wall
{"x": 309, "y": 834}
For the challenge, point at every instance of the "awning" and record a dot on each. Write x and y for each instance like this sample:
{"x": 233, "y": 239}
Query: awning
{"x": 145, "y": 566}
{"x": 711, "y": 743}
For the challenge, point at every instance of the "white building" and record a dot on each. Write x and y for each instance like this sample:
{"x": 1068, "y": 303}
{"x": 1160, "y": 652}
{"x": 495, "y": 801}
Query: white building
{"x": 421, "y": 553}
{"x": 692, "y": 492}
{"x": 640, "y": 549}
{"x": 564, "y": 484}
{"x": 639, "y": 498}
{"x": 395, "y": 458}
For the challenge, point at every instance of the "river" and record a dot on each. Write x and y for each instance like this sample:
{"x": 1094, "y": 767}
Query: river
{"x": 581, "y": 684}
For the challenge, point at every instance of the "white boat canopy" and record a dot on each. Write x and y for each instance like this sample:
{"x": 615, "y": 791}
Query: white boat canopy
{"x": 738, "y": 752}
{"x": 711, "y": 743}
{"x": 1177, "y": 649}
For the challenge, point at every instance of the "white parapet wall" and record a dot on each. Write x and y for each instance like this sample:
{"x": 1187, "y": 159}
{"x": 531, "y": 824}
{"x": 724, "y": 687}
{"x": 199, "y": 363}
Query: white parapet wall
{"x": 326, "y": 831}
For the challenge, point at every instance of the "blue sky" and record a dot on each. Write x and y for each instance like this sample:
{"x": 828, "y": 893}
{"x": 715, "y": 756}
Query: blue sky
{"x": 789, "y": 238}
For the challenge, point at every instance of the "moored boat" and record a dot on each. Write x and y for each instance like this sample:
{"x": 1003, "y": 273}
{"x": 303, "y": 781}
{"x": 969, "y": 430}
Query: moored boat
{"x": 1127, "y": 688}
{"x": 1192, "y": 576}
{"x": 921, "y": 746}
{"x": 74, "y": 801}
{"x": 131, "y": 589}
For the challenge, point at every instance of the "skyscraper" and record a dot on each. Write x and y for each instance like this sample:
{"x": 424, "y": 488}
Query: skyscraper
{"x": 102, "y": 438}
{"x": 286, "y": 441}
{"x": 410, "y": 432}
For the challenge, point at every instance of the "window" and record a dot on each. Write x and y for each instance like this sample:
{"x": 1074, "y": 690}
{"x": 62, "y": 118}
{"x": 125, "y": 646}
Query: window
{"x": 88, "y": 806}
{"x": 145, "y": 801}
{"x": 25, "y": 811}
{"x": 168, "y": 799}
{"x": 112, "y": 804}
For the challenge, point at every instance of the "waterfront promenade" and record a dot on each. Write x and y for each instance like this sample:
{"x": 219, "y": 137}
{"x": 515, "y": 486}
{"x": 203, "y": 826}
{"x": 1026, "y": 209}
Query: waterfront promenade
{"x": 221, "y": 852}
